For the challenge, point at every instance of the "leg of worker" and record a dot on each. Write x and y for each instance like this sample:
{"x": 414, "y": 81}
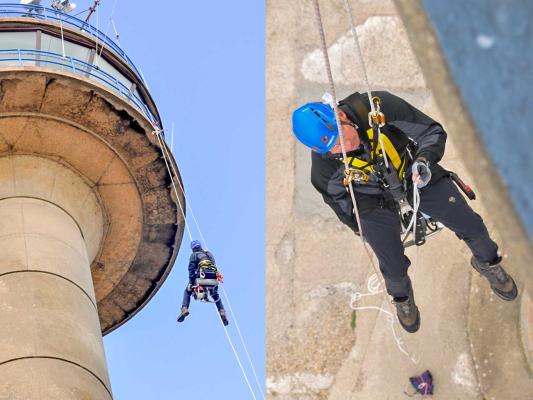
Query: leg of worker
{"x": 185, "y": 303}
{"x": 216, "y": 298}
{"x": 382, "y": 231}
{"x": 444, "y": 203}
{"x": 187, "y": 296}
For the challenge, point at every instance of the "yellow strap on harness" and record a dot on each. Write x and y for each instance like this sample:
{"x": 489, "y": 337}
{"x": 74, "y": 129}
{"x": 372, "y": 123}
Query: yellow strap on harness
{"x": 364, "y": 167}
{"x": 207, "y": 264}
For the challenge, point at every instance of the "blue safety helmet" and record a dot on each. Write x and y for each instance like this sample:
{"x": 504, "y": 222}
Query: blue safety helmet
{"x": 314, "y": 125}
{"x": 196, "y": 245}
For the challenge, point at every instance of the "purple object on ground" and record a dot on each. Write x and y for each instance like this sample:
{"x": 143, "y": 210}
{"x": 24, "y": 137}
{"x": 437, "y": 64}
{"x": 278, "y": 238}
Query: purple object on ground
{"x": 423, "y": 384}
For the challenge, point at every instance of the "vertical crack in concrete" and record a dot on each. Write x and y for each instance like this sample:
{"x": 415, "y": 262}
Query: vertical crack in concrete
{"x": 49, "y": 82}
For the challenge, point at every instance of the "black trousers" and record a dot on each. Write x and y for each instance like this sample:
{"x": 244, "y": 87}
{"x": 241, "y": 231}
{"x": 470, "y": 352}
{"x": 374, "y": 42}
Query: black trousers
{"x": 444, "y": 203}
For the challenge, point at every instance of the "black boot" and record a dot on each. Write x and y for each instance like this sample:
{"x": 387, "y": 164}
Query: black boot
{"x": 223, "y": 317}
{"x": 500, "y": 281}
{"x": 407, "y": 312}
{"x": 184, "y": 313}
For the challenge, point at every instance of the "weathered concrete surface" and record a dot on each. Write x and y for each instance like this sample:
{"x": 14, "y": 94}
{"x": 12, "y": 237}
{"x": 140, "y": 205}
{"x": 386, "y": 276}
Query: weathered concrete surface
{"x": 52, "y": 379}
{"x": 43, "y": 178}
{"x": 497, "y": 369}
{"x": 90, "y": 226}
{"x": 314, "y": 263}
{"x": 106, "y": 141}
{"x": 47, "y": 306}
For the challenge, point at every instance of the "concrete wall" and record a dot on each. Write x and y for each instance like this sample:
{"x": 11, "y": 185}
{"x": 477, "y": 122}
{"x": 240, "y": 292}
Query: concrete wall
{"x": 50, "y": 341}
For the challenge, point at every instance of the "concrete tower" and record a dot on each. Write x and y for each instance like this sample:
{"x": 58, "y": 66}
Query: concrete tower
{"x": 89, "y": 227}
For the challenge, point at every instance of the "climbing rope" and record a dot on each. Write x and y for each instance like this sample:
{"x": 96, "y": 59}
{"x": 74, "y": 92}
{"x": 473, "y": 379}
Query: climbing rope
{"x": 375, "y": 114}
{"x": 242, "y": 342}
{"x": 62, "y": 35}
{"x": 237, "y": 358}
{"x": 173, "y": 173}
{"x": 157, "y": 132}
{"x": 109, "y": 23}
{"x": 172, "y": 138}
{"x": 337, "y": 120}
{"x": 117, "y": 36}
{"x": 375, "y": 119}
{"x": 359, "y": 52}
{"x": 97, "y": 10}
{"x": 223, "y": 290}
{"x": 374, "y": 287}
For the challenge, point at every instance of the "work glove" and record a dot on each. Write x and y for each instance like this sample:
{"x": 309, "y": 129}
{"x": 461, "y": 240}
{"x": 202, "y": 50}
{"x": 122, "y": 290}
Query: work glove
{"x": 421, "y": 172}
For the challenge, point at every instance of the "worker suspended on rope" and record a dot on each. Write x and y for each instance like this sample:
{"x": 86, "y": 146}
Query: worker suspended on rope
{"x": 203, "y": 281}
{"x": 414, "y": 144}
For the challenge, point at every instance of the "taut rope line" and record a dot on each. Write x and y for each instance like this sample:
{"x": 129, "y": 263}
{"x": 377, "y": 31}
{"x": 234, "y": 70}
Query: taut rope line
{"x": 237, "y": 358}
{"x": 223, "y": 290}
{"x": 172, "y": 172}
{"x": 357, "y": 296}
{"x": 242, "y": 342}
{"x": 162, "y": 145}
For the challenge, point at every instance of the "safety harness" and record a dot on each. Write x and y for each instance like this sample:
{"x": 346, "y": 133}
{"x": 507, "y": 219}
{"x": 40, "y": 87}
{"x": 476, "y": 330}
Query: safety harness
{"x": 387, "y": 167}
{"x": 207, "y": 278}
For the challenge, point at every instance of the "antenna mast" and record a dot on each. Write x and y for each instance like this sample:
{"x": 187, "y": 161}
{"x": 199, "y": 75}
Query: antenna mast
{"x": 92, "y": 9}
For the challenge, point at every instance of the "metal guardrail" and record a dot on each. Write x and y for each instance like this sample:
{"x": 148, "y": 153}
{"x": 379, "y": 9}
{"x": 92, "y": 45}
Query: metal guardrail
{"x": 50, "y": 14}
{"x": 26, "y": 57}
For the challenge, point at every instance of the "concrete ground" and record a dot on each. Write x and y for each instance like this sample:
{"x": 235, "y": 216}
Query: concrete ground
{"x": 475, "y": 345}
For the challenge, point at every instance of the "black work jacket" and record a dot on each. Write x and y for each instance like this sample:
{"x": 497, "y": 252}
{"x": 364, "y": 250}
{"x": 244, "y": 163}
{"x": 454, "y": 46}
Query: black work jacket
{"x": 406, "y": 128}
{"x": 195, "y": 258}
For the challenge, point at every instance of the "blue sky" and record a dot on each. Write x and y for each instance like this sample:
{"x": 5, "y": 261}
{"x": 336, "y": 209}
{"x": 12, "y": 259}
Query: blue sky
{"x": 204, "y": 63}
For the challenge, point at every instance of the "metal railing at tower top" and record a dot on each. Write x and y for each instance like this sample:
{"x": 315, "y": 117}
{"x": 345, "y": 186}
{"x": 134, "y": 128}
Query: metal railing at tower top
{"x": 51, "y": 14}
{"x": 30, "y": 57}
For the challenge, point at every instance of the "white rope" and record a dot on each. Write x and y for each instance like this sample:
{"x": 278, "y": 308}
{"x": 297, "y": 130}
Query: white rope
{"x": 172, "y": 172}
{"x": 416, "y": 206}
{"x": 172, "y": 140}
{"x": 158, "y": 134}
{"x": 375, "y": 287}
{"x": 242, "y": 342}
{"x": 341, "y": 134}
{"x": 109, "y": 24}
{"x": 144, "y": 80}
{"x": 374, "y": 284}
{"x": 359, "y": 52}
{"x": 337, "y": 119}
{"x": 204, "y": 242}
{"x": 96, "y": 36}
{"x": 117, "y": 36}
{"x": 397, "y": 338}
{"x": 62, "y": 36}
{"x": 400, "y": 344}
{"x": 237, "y": 358}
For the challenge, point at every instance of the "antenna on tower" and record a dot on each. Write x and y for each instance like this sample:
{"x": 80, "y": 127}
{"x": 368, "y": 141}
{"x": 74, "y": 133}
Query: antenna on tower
{"x": 63, "y": 5}
{"x": 92, "y": 9}
{"x": 32, "y": 3}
